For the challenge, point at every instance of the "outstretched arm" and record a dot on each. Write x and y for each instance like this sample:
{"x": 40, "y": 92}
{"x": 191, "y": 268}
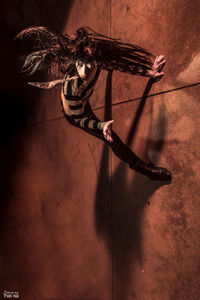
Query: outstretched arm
{"x": 152, "y": 72}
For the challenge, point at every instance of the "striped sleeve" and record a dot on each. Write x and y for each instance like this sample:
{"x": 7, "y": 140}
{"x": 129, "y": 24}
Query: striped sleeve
{"x": 134, "y": 70}
{"x": 70, "y": 91}
{"x": 130, "y": 69}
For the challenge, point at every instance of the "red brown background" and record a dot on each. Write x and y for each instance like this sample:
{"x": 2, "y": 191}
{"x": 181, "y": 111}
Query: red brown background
{"x": 76, "y": 223}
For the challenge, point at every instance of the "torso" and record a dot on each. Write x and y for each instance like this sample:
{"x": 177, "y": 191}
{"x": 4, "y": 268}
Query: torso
{"x": 66, "y": 105}
{"x": 85, "y": 89}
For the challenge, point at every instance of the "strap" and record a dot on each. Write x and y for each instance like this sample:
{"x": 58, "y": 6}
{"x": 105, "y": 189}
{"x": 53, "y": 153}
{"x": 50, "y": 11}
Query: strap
{"x": 50, "y": 84}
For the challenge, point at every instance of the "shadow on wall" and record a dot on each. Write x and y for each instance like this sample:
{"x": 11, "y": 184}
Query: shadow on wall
{"x": 182, "y": 36}
{"x": 119, "y": 220}
{"x": 17, "y": 103}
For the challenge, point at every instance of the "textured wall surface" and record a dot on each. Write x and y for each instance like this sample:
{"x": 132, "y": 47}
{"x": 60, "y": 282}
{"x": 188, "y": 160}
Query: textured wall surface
{"x": 75, "y": 222}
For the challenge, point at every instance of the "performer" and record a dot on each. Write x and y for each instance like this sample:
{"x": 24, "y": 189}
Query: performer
{"x": 80, "y": 58}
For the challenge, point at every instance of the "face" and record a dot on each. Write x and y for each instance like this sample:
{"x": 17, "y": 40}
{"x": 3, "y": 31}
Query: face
{"x": 85, "y": 70}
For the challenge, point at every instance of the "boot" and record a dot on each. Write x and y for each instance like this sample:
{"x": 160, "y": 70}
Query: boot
{"x": 154, "y": 173}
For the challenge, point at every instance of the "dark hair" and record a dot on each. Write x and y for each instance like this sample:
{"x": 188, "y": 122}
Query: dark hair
{"x": 56, "y": 49}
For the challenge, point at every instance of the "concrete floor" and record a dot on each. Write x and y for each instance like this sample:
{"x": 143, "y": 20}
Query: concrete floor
{"x": 76, "y": 223}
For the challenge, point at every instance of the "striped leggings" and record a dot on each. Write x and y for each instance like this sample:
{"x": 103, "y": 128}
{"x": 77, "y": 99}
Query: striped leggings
{"x": 118, "y": 147}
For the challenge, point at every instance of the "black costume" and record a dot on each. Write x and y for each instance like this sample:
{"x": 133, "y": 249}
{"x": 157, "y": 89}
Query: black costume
{"x": 87, "y": 46}
{"x": 84, "y": 118}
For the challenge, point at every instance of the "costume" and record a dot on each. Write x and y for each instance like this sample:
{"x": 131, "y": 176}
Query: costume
{"x": 88, "y": 46}
{"x": 85, "y": 119}
{"x": 77, "y": 92}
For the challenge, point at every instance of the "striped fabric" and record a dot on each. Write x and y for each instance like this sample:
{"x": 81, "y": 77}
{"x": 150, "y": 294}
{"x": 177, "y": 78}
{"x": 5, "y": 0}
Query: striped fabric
{"x": 76, "y": 92}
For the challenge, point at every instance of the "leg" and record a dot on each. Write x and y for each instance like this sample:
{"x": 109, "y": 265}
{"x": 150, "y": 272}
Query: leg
{"x": 124, "y": 153}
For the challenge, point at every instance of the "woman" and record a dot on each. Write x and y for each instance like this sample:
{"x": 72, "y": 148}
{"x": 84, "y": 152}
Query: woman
{"x": 81, "y": 57}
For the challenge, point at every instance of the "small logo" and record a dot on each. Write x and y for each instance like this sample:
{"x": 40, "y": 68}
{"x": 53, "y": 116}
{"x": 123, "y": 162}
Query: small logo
{"x": 7, "y": 294}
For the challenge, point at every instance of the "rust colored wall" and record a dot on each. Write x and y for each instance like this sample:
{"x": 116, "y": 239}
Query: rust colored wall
{"x": 76, "y": 223}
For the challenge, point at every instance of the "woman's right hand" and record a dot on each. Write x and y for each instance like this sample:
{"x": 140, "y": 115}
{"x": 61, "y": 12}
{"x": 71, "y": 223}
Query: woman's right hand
{"x": 158, "y": 65}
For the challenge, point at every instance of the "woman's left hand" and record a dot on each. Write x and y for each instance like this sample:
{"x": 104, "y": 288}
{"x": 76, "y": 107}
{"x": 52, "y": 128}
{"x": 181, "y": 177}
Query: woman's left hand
{"x": 107, "y": 130}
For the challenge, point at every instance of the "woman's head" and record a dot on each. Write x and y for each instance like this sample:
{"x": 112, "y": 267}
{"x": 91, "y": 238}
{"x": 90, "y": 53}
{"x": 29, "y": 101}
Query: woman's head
{"x": 85, "y": 69}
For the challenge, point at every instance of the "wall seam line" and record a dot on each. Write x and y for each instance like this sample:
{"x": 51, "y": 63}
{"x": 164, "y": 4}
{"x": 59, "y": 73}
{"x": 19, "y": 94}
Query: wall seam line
{"x": 117, "y": 103}
{"x": 111, "y": 191}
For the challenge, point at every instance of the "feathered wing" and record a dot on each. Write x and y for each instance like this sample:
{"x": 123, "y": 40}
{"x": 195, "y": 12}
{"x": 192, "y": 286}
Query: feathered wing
{"x": 58, "y": 49}
{"x": 44, "y": 37}
{"x": 117, "y": 55}
{"x": 50, "y": 49}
